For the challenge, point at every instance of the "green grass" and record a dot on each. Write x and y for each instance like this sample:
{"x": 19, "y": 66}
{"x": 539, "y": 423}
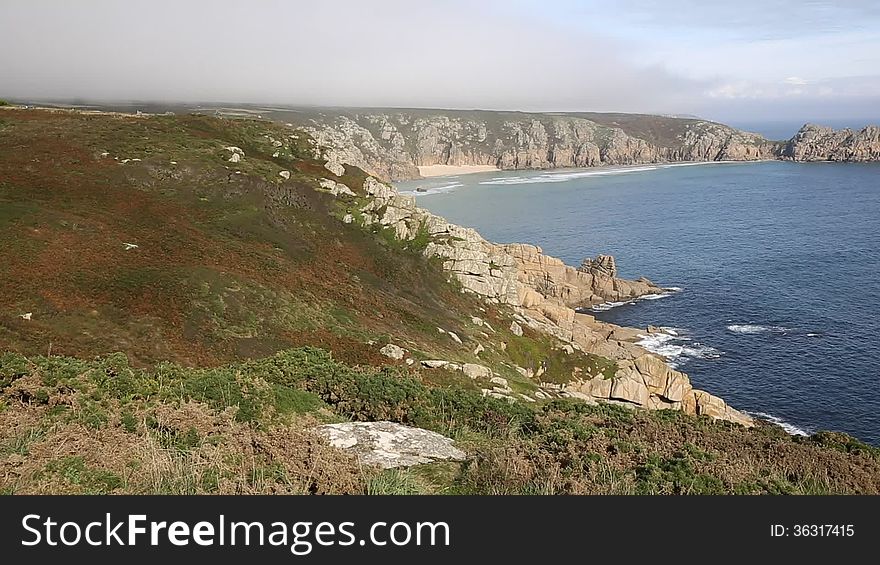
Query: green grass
{"x": 19, "y": 443}
{"x": 395, "y": 482}
{"x": 74, "y": 471}
{"x": 559, "y": 367}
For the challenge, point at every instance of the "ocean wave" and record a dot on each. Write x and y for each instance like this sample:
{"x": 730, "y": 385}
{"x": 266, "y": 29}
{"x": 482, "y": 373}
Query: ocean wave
{"x": 755, "y": 329}
{"x": 605, "y": 306}
{"x": 790, "y": 429}
{"x": 425, "y": 190}
{"x": 654, "y": 296}
{"x": 564, "y": 177}
{"x": 594, "y": 172}
{"x": 677, "y": 348}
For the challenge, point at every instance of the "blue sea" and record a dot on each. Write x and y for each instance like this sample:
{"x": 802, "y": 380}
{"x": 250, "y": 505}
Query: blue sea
{"x": 778, "y": 266}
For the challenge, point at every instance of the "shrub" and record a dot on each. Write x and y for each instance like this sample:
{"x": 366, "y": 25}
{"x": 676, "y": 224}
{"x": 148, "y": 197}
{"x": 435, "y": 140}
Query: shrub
{"x": 12, "y": 367}
{"x": 221, "y": 387}
{"x": 674, "y": 475}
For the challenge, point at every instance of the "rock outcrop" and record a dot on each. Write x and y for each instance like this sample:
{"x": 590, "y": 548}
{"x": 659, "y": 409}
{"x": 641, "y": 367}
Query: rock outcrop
{"x": 545, "y": 295}
{"x": 390, "y": 445}
{"x": 819, "y": 143}
{"x": 391, "y": 145}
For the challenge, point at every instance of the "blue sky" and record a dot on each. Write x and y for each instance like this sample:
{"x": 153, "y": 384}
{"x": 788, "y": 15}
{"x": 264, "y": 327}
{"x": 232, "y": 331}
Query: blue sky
{"x": 735, "y": 61}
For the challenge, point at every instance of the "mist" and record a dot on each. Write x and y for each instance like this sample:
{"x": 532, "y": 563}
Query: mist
{"x": 552, "y": 56}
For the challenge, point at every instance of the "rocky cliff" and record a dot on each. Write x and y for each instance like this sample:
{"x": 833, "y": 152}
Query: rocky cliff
{"x": 544, "y": 294}
{"x": 819, "y": 143}
{"x": 392, "y": 144}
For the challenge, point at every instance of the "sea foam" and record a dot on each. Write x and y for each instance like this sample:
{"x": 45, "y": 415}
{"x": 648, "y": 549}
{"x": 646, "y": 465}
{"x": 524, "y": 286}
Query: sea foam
{"x": 605, "y": 306}
{"x": 447, "y": 187}
{"x": 790, "y": 429}
{"x": 676, "y": 347}
{"x": 755, "y": 329}
{"x": 564, "y": 176}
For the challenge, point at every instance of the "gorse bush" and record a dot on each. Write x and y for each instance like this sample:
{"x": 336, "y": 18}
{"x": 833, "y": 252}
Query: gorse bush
{"x": 292, "y": 381}
{"x": 227, "y": 429}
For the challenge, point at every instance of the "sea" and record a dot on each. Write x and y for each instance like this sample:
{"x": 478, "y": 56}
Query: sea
{"x": 775, "y": 266}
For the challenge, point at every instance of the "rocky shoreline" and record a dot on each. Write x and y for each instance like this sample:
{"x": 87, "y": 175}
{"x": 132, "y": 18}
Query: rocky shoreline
{"x": 545, "y": 295}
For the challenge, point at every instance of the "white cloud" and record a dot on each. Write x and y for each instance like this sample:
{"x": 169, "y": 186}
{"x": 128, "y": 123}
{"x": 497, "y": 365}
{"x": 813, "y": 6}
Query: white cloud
{"x": 552, "y": 55}
{"x": 798, "y": 81}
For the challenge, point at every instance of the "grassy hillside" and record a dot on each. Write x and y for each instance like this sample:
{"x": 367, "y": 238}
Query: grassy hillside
{"x": 242, "y": 429}
{"x": 231, "y": 260}
{"x": 200, "y": 315}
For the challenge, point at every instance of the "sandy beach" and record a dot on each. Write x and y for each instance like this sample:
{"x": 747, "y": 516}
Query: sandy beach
{"x": 446, "y": 170}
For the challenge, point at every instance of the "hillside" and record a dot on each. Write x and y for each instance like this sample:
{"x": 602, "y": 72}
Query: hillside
{"x": 200, "y": 293}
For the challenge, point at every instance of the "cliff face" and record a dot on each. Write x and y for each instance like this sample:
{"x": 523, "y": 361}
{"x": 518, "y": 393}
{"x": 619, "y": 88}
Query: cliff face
{"x": 392, "y": 144}
{"x": 819, "y": 143}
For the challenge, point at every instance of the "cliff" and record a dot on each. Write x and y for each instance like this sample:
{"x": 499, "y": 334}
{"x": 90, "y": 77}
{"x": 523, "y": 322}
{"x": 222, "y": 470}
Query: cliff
{"x": 392, "y": 144}
{"x": 819, "y": 143}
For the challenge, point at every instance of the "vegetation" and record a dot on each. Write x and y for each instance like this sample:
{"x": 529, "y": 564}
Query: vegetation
{"x": 231, "y": 261}
{"x": 244, "y": 428}
{"x": 245, "y": 313}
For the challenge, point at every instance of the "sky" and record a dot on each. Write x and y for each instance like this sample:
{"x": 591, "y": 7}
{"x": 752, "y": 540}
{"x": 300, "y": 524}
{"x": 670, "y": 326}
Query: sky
{"x": 742, "y": 61}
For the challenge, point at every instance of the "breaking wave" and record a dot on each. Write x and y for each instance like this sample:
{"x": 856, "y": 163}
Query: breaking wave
{"x": 676, "y": 347}
{"x": 424, "y": 190}
{"x": 790, "y": 429}
{"x": 605, "y": 306}
{"x": 583, "y": 173}
{"x": 755, "y": 329}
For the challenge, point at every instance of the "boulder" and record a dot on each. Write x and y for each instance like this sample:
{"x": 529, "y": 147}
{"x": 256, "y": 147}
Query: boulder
{"x": 677, "y": 386}
{"x": 335, "y": 167}
{"x": 500, "y": 381}
{"x": 285, "y": 175}
{"x": 601, "y": 265}
{"x": 434, "y": 363}
{"x": 335, "y": 188}
{"x": 709, "y": 405}
{"x": 516, "y": 329}
{"x": 629, "y": 389}
{"x": 600, "y": 387}
{"x": 476, "y": 371}
{"x": 393, "y": 351}
{"x": 389, "y": 445}
{"x": 654, "y": 373}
